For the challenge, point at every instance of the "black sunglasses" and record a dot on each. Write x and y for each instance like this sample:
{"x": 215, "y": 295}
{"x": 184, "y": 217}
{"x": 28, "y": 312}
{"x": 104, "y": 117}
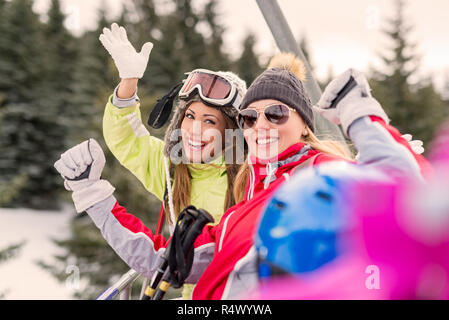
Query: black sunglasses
{"x": 276, "y": 113}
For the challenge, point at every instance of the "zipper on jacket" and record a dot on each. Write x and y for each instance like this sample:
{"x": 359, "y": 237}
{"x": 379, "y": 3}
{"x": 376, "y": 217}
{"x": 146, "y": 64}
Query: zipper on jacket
{"x": 271, "y": 170}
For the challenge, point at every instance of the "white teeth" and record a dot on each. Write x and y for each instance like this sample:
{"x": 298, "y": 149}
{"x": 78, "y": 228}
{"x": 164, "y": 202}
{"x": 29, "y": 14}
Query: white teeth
{"x": 266, "y": 141}
{"x": 195, "y": 144}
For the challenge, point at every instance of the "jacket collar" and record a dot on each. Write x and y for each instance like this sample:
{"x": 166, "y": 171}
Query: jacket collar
{"x": 290, "y": 151}
{"x": 216, "y": 167}
{"x": 264, "y": 172}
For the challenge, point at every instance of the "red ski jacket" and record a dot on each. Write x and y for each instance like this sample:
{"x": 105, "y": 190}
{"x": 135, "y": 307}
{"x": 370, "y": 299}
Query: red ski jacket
{"x": 225, "y": 261}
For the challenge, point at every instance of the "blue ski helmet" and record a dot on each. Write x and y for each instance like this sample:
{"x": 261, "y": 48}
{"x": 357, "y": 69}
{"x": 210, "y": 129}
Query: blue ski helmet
{"x": 302, "y": 226}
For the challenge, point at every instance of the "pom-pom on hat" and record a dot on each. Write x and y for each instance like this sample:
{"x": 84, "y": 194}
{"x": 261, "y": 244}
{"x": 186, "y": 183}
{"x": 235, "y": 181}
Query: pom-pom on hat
{"x": 283, "y": 81}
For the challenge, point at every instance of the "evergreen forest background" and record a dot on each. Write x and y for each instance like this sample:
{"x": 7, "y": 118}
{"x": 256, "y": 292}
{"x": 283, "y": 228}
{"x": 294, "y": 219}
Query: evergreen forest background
{"x": 54, "y": 86}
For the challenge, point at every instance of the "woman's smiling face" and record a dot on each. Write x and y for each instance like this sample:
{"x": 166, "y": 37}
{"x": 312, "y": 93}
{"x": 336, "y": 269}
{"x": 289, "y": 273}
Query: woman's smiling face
{"x": 203, "y": 131}
{"x": 267, "y": 140}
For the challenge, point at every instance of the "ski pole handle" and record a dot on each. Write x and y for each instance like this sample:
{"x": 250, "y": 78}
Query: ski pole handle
{"x": 183, "y": 224}
{"x": 344, "y": 91}
{"x": 202, "y": 218}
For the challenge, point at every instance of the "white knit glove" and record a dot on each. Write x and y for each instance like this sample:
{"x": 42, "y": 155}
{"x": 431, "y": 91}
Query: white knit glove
{"x": 129, "y": 63}
{"x": 416, "y": 145}
{"x": 356, "y": 104}
{"x": 81, "y": 168}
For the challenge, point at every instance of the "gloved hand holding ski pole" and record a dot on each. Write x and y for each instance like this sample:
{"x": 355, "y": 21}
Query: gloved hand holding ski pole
{"x": 130, "y": 64}
{"x": 184, "y": 222}
{"x": 342, "y": 106}
{"x": 81, "y": 168}
{"x": 179, "y": 255}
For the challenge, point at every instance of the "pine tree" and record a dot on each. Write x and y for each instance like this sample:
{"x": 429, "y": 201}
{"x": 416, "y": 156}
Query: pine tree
{"x": 94, "y": 73}
{"x": 148, "y": 19}
{"x": 8, "y": 253}
{"x": 142, "y": 30}
{"x": 215, "y": 58}
{"x": 429, "y": 111}
{"x": 414, "y": 109}
{"x": 166, "y": 66}
{"x": 178, "y": 45}
{"x": 247, "y": 65}
{"x": 2, "y": 6}
{"x": 396, "y": 80}
{"x": 189, "y": 41}
{"x": 28, "y": 131}
{"x": 20, "y": 58}
{"x": 445, "y": 92}
{"x": 60, "y": 56}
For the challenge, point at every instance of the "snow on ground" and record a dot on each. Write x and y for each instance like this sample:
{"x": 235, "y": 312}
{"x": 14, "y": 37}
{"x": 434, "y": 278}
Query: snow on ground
{"x": 21, "y": 277}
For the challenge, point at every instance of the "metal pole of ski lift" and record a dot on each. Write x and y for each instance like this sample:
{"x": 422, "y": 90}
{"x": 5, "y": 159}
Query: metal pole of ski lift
{"x": 286, "y": 42}
{"x": 122, "y": 287}
{"x": 126, "y": 293}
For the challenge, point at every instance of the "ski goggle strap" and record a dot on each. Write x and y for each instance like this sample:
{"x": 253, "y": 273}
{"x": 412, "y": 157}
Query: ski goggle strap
{"x": 161, "y": 112}
{"x": 211, "y": 87}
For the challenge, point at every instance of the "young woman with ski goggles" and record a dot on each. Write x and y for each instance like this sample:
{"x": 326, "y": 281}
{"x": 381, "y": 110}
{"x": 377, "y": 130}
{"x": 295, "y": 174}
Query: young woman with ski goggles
{"x": 208, "y": 103}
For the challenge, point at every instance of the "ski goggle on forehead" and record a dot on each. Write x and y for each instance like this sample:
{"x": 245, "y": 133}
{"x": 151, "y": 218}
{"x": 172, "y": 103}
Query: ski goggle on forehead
{"x": 276, "y": 114}
{"x": 212, "y": 88}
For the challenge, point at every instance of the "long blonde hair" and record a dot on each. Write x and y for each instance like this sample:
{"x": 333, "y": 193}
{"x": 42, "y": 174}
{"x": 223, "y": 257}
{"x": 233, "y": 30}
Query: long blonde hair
{"x": 329, "y": 147}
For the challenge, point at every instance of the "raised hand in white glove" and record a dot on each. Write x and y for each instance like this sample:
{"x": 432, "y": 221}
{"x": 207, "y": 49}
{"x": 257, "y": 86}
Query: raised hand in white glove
{"x": 356, "y": 104}
{"x": 81, "y": 168}
{"x": 129, "y": 62}
{"x": 416, "y": 145}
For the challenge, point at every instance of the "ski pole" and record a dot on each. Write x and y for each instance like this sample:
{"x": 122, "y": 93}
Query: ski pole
{"x": 183, "y": 223}
{"x": 177, "y": 259}
{"x": 151, "y": 288}
{"x": 160, "y": 221}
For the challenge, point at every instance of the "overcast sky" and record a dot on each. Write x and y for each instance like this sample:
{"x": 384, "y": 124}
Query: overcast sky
{"x": 341, "y": 34}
